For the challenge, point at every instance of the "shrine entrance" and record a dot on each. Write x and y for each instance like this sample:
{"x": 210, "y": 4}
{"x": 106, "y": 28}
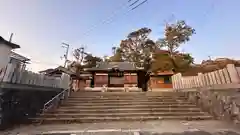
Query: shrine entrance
{"x": 116, "y": 78}
{"x": 114, "y": 74}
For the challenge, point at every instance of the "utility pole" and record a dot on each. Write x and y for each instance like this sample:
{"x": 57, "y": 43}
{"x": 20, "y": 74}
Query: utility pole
{"x": 66, "y": 54}
{"x": 209, "y": 57}
{"x": 10, "y": 39}
{"x": 114, "y": 50}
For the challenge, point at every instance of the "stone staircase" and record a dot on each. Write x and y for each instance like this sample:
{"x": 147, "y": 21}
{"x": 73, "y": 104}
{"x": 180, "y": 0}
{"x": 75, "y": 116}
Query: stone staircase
{"x": 124, "y": 106}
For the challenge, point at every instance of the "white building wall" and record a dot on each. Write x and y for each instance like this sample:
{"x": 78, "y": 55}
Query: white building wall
{"x": 4, "y": 55}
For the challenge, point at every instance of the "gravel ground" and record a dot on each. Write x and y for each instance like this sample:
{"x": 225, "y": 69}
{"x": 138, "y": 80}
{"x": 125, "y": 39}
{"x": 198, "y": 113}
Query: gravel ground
{"x": 151, "y": 133}
{"x": 210, "y": 127}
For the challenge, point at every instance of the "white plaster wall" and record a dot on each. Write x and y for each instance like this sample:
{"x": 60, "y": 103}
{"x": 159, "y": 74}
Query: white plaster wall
{"x": 4, "y": 55}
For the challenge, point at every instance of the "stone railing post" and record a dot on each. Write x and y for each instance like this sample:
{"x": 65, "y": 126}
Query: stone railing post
{"x": 226, "y": 75}
{"x": 233, "y": 73}
{"x": 200, "y": 80}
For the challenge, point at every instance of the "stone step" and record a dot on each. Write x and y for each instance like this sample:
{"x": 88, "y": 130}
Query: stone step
{"x": 123, "y": 95}
{"x": 118, "y": 114}
{"x": 117, "y": 96}
{"x": 129, "y": 97}
{"x": 123, "y": 103}
{"x": 162, "y": 93}
{"x": 128, "y": 106}
{"x": 122, "y": 99}
{"x": 59, "y": 120}
{"x": 128, "y": 110}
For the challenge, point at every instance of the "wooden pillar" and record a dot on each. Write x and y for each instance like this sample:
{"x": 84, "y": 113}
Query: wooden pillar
{"x": 109, "y": 80}
{"x": 92, "y": 81}
{"x": 138, "y": 80}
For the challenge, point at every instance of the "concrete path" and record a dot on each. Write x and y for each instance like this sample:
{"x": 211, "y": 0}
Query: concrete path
{"x": 133, "y": 128}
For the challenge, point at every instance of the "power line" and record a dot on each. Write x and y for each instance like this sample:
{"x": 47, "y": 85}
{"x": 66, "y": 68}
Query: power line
{"x": 133, "y": 3}
{"x": 110, "y": 19}
{"x": 139, "y": 4}
{"x": 207, "y": 13}
{"x": 105, "y": 20}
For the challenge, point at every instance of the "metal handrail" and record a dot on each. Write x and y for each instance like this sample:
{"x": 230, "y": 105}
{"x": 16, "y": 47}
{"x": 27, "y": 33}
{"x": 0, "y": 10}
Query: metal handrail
{"x": 54, "y": 102}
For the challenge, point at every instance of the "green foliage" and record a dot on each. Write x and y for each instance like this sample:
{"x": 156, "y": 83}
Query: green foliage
{"x": 117, "y": 57}
{"x": 175, "y": 35}
{"x": 91, "y": 61}
{"x": 164, "y": 62}
{"x": 138, "y": 48}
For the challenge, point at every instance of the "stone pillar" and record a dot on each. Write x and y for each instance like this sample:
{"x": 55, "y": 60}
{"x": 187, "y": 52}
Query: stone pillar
{"x": 226, "y": 75}
{"x": 214, "y": 79}
{"x": 173, "y": 82}
{"x": 190, "y": 84}
{"x": 222, "y": 77}
{"x": 238, "y": 70}
{"x": 184, "y": 83}
{"x": 197, "y": 81}
{"x": 194, "y": 82}
{"x": 210, "y": 79}
{"x": 216, "y": 73}
{"x": 233, "y": 73}
{"x": 178, "y": 81}
{"x": 200, "y": 80}
{"x": 206, "y": 81}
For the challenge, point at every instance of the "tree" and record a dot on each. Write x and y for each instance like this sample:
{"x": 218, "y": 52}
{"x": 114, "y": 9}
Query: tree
{"x": 78, "y": 54}
{"x": 83, "y": 60}
{"x": 175, "y": 35}
{"x": 91, "y": 61}
{"x": 163, "y": 62}
{"x": 117, "y": 57}
{"x": 138, "y": 47}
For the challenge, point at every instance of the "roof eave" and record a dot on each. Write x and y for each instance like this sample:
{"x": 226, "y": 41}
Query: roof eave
{"x": 12, "y": 45}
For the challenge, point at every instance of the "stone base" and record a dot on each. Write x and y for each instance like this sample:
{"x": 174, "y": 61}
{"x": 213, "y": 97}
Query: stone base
{"x": 223, "y": 104}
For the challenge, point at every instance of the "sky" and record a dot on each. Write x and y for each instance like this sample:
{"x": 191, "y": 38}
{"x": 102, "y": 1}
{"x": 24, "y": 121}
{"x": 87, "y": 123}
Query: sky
{"x": 40, "y": 26}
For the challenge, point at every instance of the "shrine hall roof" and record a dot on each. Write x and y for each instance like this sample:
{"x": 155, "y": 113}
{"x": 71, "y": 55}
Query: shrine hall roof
{"x": 122, "y": 66}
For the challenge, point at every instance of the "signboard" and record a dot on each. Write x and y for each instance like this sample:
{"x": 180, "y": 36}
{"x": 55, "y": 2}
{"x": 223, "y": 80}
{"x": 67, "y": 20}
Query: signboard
{"x": 116, "y": 74}
{"x": 116, "y": 80}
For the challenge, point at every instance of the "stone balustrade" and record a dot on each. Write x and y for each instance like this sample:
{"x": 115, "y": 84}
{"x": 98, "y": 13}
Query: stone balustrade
{"x": 228, "y": 77}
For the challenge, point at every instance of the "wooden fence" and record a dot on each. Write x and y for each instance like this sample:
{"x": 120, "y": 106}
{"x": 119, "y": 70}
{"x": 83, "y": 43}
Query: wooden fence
{"x": 229, "y": 77}
{"x": 15, "y": 75}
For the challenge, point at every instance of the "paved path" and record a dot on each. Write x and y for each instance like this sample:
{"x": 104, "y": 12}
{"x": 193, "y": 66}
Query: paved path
{"x": 130, "y": 128}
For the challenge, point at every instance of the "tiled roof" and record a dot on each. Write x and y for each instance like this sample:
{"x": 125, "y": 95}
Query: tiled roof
{"x": 19, "y": 57}
{"x": 12, "y": 45}
{"x": 109, "y": 65}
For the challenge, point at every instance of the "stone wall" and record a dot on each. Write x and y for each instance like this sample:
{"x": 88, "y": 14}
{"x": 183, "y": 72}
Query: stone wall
{"x": 17, "y": 106}
{"x": 222, "y": 104}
